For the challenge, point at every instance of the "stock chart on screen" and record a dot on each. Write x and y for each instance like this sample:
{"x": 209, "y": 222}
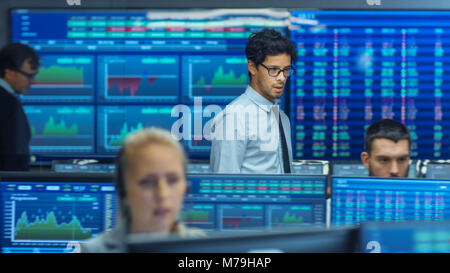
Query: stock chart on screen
{"x": 356, "y": 200}
{"x": 217, "y": 79}
{"x": 147, "y": 58}
{"x": 61, "y": 129}
{"x": 138, "y": 79}
{"x": 63, "y": 79}
{"x": 45, "y": 216}
{"x": 357, "y": 67}
{"x": 116, "y": 122}
{"x": 254, "y": 202}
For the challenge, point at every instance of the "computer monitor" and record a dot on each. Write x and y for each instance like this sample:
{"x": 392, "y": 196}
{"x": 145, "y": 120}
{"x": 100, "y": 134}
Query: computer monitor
{"x": 438, "y": 169}
{"x": 45, "y": 212}
{"x": 364, "y": 64}
{"x": 357, "y": 169}
{"x": 292, "y": 241}
{"x": 231, "y": 202}
{"x": 82, "y": 166}
{"x": 405, "y": 237}
{"x": 73, "y": 167}
{"x": 310, "y": 167}
{"x": 198, "y": 167}
{"x": 361, "y": 199}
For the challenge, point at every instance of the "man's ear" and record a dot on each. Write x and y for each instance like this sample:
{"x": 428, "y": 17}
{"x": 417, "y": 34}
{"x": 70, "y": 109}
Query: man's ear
{"x": 8, "y": 73}
{"x": 365, "y": 159}
{"x": 251, "y": 67}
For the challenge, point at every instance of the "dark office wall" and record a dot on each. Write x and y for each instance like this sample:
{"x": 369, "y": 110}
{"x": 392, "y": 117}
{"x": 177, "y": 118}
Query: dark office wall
{"x": 6, "y": 5}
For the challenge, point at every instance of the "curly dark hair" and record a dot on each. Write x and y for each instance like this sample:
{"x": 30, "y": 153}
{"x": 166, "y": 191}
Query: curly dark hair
{"x": 268, "y": 42}
{"x": 12, "y": 56}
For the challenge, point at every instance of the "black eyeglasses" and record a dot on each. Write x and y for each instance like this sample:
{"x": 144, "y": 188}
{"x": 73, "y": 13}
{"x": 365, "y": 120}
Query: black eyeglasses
{"x": 28, "y": 75}
{"x": 274, "y": 72}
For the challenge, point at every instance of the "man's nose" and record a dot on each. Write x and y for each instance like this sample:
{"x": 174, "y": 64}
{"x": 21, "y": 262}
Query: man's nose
{"x": 394, "y": 169}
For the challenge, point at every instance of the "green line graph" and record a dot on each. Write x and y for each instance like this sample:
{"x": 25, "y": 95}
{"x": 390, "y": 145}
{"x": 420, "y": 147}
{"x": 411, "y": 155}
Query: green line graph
{"x": 49, "y": 229}
{"x": 59, "y": 129}
{"x": 221, "y": 78}
{"x": 60, "y": 75}
{"x": 117, "y": 141}
{"x": 289, "y": 219}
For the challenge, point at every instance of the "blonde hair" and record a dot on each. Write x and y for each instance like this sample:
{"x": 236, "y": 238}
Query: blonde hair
{"x": 147, "y": 136}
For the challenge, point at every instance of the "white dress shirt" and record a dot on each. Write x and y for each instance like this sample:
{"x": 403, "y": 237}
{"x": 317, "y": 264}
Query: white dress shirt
{"x": 247, "y": 140}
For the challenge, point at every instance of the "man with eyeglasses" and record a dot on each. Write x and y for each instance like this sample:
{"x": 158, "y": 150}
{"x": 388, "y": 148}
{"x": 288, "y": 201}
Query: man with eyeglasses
{"x": 19, "y": 65}
{"x": 252, "y": 135}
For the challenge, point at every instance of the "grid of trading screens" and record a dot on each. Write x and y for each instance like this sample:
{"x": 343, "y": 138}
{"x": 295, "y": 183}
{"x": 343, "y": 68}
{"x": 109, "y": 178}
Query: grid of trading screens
{"x": 106, "y": 73}
{"x": 107, "y": 68}
{"x": 357, "y": 67}
{"x": 233, "y": 203}
{"x": 49, "y": 213}
{"x": 405, "y": 237}
{"x": 356, "y": 200}
{"x": 357, "y": 169}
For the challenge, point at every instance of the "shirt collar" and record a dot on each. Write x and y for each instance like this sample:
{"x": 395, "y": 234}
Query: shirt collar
{"x": 7, "y": 87}
{"x": 259, "y": 100}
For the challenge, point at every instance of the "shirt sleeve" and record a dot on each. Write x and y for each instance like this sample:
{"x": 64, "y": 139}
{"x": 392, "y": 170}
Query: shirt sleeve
{"x": 228, "y": 144}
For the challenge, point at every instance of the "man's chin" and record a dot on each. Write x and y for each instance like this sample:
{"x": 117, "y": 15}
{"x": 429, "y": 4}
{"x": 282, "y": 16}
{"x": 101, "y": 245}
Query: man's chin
{"x": 276, "y": 96}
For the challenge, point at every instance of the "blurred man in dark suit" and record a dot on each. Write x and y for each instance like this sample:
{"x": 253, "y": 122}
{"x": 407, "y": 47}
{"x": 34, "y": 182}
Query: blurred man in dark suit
{"x": 19, "y": 65}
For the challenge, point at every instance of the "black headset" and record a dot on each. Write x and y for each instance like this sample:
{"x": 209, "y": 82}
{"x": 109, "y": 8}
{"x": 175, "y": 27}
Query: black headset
{"x": 120, "y": 179}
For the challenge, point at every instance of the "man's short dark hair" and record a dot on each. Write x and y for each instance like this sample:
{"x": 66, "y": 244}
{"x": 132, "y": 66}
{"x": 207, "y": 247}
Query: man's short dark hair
{"x": 386, "y": 128}
{"x": 12, "y": 56}
{"x": 268, "y": 42}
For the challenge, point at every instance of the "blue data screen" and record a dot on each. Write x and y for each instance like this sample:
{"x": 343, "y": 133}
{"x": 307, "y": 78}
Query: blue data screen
{"x": 116, "y": 122}
{"x": 254, "y": 203}
{"x": 63, "y": 78}
{"x": 47, "y": 216}
{"x": 357, "y": 67}
{"x": 138, "y": 79}
{"x": 357, "y": 200}
{"x": 61, "y": 129}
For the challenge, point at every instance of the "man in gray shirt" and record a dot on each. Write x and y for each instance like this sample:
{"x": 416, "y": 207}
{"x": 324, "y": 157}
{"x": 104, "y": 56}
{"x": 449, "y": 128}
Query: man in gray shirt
{"x": 247, "y": 137}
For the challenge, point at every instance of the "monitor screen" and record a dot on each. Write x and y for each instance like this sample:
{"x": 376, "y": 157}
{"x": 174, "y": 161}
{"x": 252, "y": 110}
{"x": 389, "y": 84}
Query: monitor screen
{"x": 46, "y": 212}
{"x": 405, "y": 237}
{"x": 66, "y": 167}
{"x": 361, "y": 199}
{"x": 357, "y": 169}
{"x": 356, "y": 67}
{"x": 291, "y": 241}
{"x": 198, "y": 168}
{"x": 437, "y": 170}
{"x": 119, "y": 70}
{"x": 309, "y": 167}
{"x": 254, "y": 202}
{"x": 61, "y": 129}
